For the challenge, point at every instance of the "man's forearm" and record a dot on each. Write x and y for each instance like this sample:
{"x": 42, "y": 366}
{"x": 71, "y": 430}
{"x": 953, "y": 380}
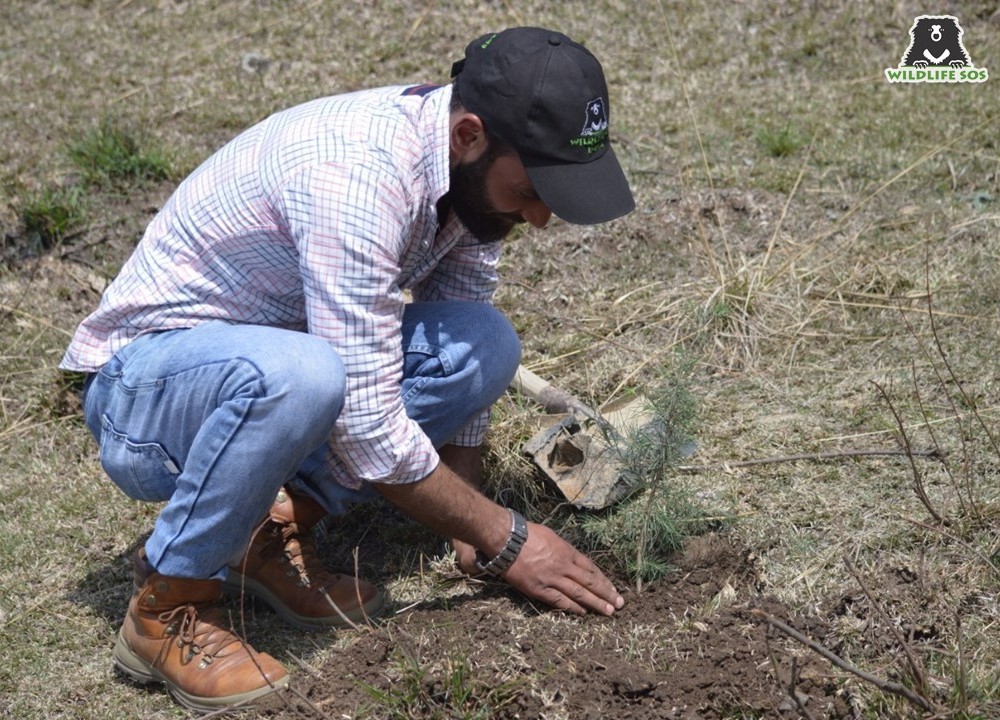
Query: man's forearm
{"x": 466, "y": 462}
{"x": 449, "y": 504}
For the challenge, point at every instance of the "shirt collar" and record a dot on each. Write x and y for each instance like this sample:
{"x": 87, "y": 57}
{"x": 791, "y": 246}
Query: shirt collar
{"x": 436, "y": 122}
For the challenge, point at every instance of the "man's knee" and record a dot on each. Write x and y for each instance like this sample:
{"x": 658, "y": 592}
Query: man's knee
{"x": 498, "y": 350}
{"x": 310, "y": 375}
{"x": 471, "y": 344}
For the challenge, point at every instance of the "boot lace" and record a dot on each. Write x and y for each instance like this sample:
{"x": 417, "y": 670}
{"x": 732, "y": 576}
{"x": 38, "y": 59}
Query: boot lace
{"x": 202, "y": 633}
{"x": 298, "y": 549}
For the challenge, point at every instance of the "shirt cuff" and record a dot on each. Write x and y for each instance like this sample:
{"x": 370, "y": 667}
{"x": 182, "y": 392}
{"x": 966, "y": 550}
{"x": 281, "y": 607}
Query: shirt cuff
{"x": 380, "y": 460}
{"x": 473, "y": 434}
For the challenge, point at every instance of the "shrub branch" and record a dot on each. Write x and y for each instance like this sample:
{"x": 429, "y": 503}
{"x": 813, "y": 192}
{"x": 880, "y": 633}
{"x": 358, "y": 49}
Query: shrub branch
{"x": 880, "y": 683}
{"x": 918, "y": 479}
{"x": 916, "y": 669}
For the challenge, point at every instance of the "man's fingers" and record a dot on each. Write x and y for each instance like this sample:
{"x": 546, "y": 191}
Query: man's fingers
{"x": 570, "y": 596}
{"x": 553, "y": 571}
{"x": 583, "y": 596}
{"x": 580, "y": 589}
{"x": 561, "y": 601}
{"x": 590, "y": 577}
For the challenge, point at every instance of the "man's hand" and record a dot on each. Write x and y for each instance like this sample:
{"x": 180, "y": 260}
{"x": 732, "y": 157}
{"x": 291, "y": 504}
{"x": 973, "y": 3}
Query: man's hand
{"x": 548, "y": 568}
{"x": 553, "y": 571}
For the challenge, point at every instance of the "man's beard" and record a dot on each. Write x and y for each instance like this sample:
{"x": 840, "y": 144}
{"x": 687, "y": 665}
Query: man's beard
{"x": 467, "y": 195}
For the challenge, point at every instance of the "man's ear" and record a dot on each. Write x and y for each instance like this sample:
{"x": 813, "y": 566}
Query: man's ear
{"x": 468, "y": 137}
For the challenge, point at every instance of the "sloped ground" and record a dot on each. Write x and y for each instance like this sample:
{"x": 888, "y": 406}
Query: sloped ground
{"x": 797, "y": 220}
{"x": 685, "y": 648}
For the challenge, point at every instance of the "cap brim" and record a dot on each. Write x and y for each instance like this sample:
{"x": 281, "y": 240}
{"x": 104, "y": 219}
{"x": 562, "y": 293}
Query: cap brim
{"x": 583, "y": 193}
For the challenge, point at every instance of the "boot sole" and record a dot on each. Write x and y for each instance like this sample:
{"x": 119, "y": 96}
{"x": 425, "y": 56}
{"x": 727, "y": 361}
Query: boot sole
{"x": 234, "y": 584}
{"x": 140, "y": 671}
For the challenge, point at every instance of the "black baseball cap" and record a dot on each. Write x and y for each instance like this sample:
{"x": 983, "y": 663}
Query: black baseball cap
{"x": 546, "y": 96}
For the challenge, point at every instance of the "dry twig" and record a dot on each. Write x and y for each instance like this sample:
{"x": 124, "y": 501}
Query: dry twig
{"x": 883, "y": 685}
{"x": 969, "y": 489}
{"x": 952, "y": 536}
{"x": 793, "y": 679}
{"x": 312, "y": 706}
{"x": 916, "y": 669}
{"x": 963, "y": 690}
{"x": 918, "y": 480}
{"x": 830, "y": 455}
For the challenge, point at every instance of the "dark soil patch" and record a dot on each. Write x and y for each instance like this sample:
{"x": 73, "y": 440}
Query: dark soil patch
{"x": 687, "y": 647}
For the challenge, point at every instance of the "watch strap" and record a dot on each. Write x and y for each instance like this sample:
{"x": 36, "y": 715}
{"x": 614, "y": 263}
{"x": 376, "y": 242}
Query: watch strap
{"x": 518, "y": 536}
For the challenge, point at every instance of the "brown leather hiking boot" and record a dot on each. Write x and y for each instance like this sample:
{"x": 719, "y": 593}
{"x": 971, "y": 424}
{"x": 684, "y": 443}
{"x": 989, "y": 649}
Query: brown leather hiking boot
{"x": 174, "y": 634}
{"x": 281, "y": 567}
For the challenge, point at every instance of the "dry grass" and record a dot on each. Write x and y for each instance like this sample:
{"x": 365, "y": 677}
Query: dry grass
{"x": 795, "y": 280}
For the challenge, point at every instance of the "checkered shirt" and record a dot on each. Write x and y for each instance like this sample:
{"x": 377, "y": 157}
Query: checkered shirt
{"x": 316, "y": 219}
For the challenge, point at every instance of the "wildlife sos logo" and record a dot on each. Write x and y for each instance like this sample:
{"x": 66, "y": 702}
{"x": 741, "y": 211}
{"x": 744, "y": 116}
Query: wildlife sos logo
{"x": 936, "y": 54}
{"x": 595, "y": 128}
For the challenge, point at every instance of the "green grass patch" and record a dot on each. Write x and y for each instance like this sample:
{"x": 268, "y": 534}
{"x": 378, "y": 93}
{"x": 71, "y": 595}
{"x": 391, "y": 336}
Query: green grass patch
{"x": 114, "y": 155}
{"x": 51, "y": 215}
{"x": 781, "y": 142}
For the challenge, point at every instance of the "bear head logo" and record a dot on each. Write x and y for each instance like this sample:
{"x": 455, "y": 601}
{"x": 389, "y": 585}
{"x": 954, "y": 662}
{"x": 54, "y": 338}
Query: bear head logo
{"x": 936, "y": 41}
{"x": 597, "y": 117}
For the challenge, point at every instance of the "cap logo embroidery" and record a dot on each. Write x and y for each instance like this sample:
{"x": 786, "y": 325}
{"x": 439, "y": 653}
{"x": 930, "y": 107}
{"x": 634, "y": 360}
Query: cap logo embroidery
{"x": 595, "y": 128}
{"x": 597, "y": 118}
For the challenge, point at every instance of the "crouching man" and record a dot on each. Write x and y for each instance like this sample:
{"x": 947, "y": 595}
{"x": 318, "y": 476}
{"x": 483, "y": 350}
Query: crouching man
{"x": 256, "y": 367}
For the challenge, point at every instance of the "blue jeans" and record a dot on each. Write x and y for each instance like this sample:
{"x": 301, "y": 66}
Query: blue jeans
{"x": 216, "y": 418}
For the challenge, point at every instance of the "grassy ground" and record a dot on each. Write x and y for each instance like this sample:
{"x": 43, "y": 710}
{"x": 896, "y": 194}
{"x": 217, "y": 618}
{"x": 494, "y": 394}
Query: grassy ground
{"x": 821, "y": 245}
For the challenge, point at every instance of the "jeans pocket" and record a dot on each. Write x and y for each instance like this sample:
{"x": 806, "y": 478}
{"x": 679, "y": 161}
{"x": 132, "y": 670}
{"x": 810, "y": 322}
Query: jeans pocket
{"x": 141, "y": 470}
{"x": 425, "y": 361}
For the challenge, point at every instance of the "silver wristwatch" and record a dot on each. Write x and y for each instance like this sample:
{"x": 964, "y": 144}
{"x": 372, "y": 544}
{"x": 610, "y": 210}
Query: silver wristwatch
{"x": 518, "y": 536}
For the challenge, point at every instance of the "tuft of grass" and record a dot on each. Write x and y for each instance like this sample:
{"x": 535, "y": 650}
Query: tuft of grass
{"x": 454, "y": 691}
{"x": 110, "y": 156}
{"x": 52, "y": 215}
{"x": 780, "y": 143}
{"x": 114, "y": 155}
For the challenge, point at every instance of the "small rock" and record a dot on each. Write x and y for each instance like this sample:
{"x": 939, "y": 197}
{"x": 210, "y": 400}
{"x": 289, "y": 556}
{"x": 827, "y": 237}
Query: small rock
{"x": 254, "y": 62}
